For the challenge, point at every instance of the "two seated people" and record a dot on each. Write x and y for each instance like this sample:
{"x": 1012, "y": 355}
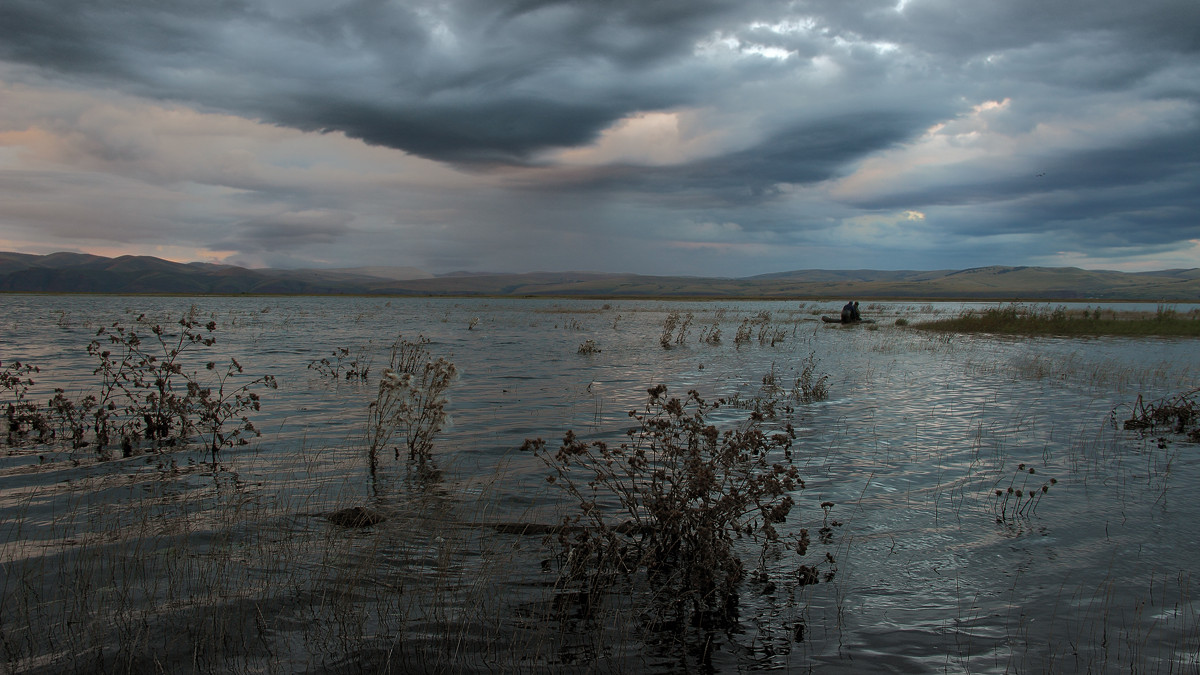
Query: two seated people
{"x": 850, "y": 313}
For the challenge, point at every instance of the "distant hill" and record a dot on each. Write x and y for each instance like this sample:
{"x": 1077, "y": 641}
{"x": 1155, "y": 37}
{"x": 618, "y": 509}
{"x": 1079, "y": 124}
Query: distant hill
{"x": 82, "y": 273}
{"x": 396, "y": 273}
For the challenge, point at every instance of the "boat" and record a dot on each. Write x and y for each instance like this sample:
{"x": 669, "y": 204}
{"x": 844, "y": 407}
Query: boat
{"x": 838, "y": 319}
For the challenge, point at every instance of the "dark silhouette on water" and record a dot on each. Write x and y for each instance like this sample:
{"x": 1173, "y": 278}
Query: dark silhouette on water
{"x": 850, "y": 313}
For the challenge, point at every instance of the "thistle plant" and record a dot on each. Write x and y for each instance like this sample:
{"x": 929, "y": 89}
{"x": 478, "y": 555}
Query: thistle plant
{"x": 145, "y": 393}
{"x": 70, "y": 417}
{"x": 668, "y": 332}
{"x": 141, "y": 377}
{"x": 771, "y": 399}
{"x": 668, "y": 503}
{"x": 768, "y": 334}
{"x": 675, "y": 329}
{"x": 809, "y": 387}
{"x": 20, "y": 413}
{"x": 411, "y": 400}
{"x": 1016, "y": 501}
{"x": 221, "y": 402}
{"x": 344, "y": 363}
{"x": 684, "y": 325}
{"x": 742, "y": 336}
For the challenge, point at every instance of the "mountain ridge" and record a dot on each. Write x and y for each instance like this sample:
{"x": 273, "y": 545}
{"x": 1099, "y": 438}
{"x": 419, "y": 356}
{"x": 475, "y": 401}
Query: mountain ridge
{"x": 66, "y": 272}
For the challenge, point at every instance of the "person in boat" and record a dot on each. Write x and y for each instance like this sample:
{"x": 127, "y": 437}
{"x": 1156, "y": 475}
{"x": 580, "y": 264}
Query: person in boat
{"x": 855, "y": 316}
{"x": 848, "y": 312}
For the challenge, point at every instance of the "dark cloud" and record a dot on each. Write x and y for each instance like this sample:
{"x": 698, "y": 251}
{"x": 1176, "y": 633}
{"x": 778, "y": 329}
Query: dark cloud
{"x": 501, "y": 130}
{"x": 805, "y": 152}
{"x": 461, "y": 81}
{"x": 465, "y": 82}
{"x": 811, "y": 152}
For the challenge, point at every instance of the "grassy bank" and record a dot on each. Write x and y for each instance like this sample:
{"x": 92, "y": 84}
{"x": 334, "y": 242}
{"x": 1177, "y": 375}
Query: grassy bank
{"x": 1019, "y": 319}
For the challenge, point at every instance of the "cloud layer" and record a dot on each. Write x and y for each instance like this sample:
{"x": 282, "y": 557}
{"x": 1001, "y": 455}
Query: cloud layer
{"x": 681, "y": 136}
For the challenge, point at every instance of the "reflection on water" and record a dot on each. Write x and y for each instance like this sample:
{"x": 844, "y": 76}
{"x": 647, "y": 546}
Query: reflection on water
{"x": 918, "y": 433}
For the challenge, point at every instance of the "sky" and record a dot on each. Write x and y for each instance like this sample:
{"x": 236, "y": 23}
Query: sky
{"x": 719, "y": 138}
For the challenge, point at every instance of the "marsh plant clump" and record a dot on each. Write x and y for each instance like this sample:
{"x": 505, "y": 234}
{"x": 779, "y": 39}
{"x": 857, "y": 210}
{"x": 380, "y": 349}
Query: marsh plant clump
{"x": 772, "y": 335}
{"x": 21, "y": 415}
{"x": 711, "y": 335}
{"x": 588, "y": 347}
{"x": 353, "y": 365}
{"x": 769, "y": 402}
{"x": 666, "y": 506}
{"x": 152, "y": 391}
{"x": 1022, "y": 500}
{"x": 1179, "y": 413}
{"x": 675, "y": 329}
{"x": 810, "y": 387}
{"x": 742, "y": 336}
{"x": 411, "y": 400}
{"x": 223, "y": 401}
{"x": 773, "y": 397}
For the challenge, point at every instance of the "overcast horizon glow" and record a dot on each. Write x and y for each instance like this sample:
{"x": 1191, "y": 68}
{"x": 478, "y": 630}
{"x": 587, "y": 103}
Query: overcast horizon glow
{"x": 696, "y": 137}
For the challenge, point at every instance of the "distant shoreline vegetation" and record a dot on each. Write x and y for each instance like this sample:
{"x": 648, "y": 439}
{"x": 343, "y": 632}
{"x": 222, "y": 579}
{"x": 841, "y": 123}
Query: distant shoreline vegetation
{"x": 1019, "y": 319}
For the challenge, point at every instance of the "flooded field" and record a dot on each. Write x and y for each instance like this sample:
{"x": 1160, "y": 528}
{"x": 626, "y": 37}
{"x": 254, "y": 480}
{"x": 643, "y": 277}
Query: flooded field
{"x": 169, "y": 561}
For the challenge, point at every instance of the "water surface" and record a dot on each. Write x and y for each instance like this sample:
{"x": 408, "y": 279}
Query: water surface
{"x": 917, "y": 434}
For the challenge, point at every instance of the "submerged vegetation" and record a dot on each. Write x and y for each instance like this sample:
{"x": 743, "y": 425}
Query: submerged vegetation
{"x": 1015, "y": 501}
{"x": 157, "y": 389}
{"x": 661, "y": 511}
{"x": 1017, "y": 319}
{"x": 1178, "y": 414}
{"x": 411, "y": 400}
{"x": 344, "y": 363}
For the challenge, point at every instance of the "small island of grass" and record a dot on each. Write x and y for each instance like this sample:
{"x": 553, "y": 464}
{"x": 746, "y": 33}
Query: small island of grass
{"x": 1019, "y": 319}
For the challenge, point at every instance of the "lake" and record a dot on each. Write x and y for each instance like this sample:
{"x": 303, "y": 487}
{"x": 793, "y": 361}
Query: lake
{"x": 160, "y": 560}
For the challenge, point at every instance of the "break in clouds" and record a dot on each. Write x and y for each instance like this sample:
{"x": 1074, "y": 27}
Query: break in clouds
{"x": 696, "y": 137}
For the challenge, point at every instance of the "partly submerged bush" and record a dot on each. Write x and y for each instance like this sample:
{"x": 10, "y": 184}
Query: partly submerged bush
{"x": 223, "y": 401}
{"x": 742, "y": 336}
{"x": 675, "y": 329}
{"x": 143, "y": 380}
{"x": 667, "y": 504}
{"x": 411, "y": 400}
{"x": 1179, "y": 413}
{"x": 152, "y": 390}
{"x": 343, "y": 363}
{"x": 20, "y": 413}
{"x": 772, "y": 399}
{"x": 810, "y": 387}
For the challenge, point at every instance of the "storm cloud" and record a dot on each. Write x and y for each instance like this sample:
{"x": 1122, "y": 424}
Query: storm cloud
{"x": 696, "y": 137}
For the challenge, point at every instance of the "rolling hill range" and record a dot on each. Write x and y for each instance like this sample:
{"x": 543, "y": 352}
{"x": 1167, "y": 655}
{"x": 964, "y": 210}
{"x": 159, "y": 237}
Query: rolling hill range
{"x": 83, "y": 273}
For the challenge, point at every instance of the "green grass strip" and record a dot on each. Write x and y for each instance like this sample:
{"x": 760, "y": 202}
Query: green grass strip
{"x": 1022, "y": 320}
